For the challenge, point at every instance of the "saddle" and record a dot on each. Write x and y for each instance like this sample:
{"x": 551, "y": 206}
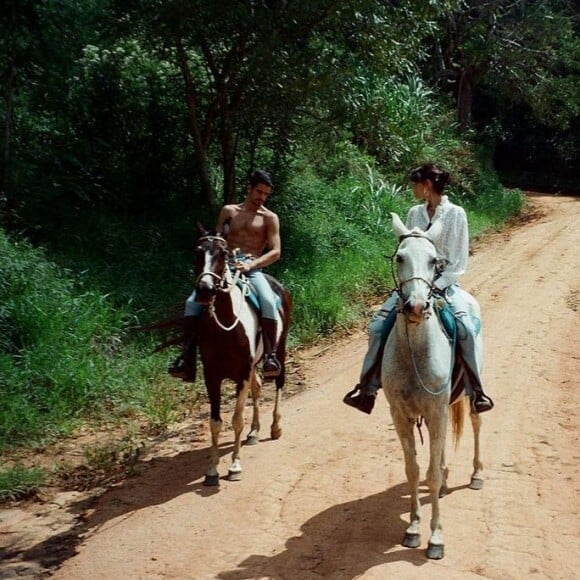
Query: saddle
{"x": 250, "y": 294}
{"x": 460, "y": 379}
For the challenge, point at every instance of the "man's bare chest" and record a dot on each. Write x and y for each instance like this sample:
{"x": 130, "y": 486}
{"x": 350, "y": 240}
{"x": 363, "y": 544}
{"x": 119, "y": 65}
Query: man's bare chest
{"x": 246, "y": 223}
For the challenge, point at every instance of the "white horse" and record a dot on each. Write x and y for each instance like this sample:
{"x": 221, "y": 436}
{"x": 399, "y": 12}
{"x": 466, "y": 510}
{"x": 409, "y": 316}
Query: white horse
{"x": 417, "y": 370}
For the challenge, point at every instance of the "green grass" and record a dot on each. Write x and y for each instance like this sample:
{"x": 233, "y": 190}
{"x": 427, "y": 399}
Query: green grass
{"x": 19, "y": 482}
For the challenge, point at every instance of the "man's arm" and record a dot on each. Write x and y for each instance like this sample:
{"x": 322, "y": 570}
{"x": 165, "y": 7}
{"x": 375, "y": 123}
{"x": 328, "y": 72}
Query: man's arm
{"x": 274, "y": 245}
{"x": 225, "y": 214}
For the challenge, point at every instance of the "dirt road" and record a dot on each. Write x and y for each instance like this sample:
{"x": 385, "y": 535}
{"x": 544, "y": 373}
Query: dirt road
{"x": 329, "y": 499}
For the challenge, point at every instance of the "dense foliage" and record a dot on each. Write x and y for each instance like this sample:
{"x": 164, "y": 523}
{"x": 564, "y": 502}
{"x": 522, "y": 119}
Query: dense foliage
{"x": 124, "y": 123}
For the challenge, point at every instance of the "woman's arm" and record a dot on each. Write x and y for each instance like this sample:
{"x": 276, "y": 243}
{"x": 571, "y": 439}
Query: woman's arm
{"x": 455, "y": 249}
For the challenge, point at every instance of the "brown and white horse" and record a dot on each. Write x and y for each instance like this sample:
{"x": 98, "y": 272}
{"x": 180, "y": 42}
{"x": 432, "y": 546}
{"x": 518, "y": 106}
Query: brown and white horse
{"x": 231, "y": 346}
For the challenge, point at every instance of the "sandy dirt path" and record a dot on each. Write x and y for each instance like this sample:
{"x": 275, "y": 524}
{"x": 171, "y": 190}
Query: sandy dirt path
{"x": 329, "y": 499}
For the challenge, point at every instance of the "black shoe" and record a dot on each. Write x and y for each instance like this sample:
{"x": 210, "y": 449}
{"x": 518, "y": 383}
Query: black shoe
{"x": 271, "y": 367}
{"x": 178, "y": 370}
{"x": 480, "y": 403}
{"x": 360, "y": 399}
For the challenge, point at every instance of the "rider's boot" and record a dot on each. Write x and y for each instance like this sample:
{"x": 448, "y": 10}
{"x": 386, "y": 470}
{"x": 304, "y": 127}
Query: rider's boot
{"x": 480, "y": 402}
{"x": 271, "y": 367}
{"x": 184, "y": 367}
{"x": 362, "y": 397}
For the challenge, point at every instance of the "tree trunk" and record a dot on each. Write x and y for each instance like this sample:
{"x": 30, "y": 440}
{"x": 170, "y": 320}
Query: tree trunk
{"x": 228, "y": 143}
{"x": 198, "y": 145}
{"x": 464, "y": 100}
{"x": 6, "y": 189}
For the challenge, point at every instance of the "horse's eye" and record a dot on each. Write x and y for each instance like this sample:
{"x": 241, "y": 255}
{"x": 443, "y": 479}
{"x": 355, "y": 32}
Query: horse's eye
{"x": 399, "y": 259}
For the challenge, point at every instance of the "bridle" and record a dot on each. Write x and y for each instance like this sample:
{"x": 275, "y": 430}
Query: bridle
{"x": 399, "y": 284}
{"x": 225, "y": 282}
{"x": 427, "y": 311}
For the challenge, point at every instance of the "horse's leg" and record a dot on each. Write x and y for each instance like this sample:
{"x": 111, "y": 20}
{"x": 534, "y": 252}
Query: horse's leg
{"x": 437, "y": 435}
{"x": 255, "y": 388}
{"x": 215, "y": 425}
{"x": 444, "y": 475}
{"x": 275, "y": 429}
{"x": 404, "y": 427}
{"x": 477, "y": 476}
{"x": 235, "y": 470}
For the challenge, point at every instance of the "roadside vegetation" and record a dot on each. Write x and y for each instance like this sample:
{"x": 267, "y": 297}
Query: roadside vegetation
{"x": 117, "y": 140}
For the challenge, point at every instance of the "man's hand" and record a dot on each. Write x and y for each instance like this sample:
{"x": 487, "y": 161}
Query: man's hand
{"x": 242, "y": 266}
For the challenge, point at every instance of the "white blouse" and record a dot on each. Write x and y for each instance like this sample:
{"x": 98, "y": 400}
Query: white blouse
{"x": 453, "y": 244}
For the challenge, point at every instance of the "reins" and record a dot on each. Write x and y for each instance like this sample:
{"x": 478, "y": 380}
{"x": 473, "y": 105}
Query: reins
{"x": 399, "y": 288}
{"x": 226, "y": 284}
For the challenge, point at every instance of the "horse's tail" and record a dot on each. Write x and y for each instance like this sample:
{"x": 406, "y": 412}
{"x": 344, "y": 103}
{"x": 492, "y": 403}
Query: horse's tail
{"x": 170, "y": 330}
{"x": 458, "y": 419}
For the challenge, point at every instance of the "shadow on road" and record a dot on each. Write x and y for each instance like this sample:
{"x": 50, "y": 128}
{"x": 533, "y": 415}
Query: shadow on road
{"x": 344, "y": 541}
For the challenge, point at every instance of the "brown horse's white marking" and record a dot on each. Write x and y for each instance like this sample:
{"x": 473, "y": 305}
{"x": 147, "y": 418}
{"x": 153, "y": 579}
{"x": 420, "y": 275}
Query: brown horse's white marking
{"x": 416, "y": 378}
{"x": 230, "y": 346}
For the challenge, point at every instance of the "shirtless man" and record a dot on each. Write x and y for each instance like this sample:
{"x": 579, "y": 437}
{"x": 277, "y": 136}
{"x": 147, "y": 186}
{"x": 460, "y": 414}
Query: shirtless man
{"x": 255, "y": 231}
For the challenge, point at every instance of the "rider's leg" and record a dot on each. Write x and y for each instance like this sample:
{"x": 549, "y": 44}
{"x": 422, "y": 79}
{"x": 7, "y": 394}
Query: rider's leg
{"x": 271, "y": 366}
{"x": 363, "y": 396}
{"x": 184, "y": 367}
{"x": 469, "y": 341}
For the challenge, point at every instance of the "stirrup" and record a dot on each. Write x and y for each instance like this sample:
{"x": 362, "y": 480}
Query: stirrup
{"x": 271, "y": 367}
{"x": 362, "y": 401}
{"x": 178, "y": 370}
{"x": 481, "y": 403}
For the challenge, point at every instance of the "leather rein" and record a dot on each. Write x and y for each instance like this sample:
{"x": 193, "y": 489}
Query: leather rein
{"x": 226, "y": 283}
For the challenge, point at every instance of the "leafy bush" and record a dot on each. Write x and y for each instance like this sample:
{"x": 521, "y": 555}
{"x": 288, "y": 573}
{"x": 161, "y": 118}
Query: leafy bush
{"x": 62, "y": 352}
{"x": 19, "y": 483}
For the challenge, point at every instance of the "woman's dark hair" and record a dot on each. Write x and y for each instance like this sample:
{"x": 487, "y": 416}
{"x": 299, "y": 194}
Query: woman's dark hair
{"x": 260, "y": 176}
{"x": 438, "y": 177}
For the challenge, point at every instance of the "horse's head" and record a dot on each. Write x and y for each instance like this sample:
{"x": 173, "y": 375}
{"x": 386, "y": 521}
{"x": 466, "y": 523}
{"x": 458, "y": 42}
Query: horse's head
{"x": 211, "y": 258}
{"x": 416, "y": 268}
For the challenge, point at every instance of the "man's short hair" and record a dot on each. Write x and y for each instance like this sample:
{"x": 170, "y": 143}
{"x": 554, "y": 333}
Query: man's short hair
{"x": 260, "y": 176}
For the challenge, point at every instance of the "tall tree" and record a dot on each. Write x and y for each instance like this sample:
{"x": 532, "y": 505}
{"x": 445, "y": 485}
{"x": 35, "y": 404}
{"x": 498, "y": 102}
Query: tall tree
{"x": 509, "y": 44}
{"x": 250, "y": 67}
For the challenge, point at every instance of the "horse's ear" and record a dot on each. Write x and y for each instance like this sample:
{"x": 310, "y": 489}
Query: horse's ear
{"x": 201, "y": 230}
{"x": 226, "y": 229}
{"x": 398, "y": 226}
{"x": 434, "y": 231}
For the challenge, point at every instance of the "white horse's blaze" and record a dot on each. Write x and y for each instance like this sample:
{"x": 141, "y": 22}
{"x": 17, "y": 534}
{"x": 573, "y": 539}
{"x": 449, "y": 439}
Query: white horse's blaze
{"x": 416, "y": 375}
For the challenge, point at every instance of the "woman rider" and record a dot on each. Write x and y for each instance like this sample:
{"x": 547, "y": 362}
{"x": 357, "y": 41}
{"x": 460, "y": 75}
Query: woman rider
{"x": 428, "y": 184}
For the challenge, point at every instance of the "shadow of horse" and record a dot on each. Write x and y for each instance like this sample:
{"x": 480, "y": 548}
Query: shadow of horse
{"x": 158, "y": 481}
{"x": 344, "y": 541}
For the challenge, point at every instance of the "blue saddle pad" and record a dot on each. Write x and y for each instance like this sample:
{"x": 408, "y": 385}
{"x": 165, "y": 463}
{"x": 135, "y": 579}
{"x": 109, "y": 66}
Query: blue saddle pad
{"x": 444, "y": 313}
{"x": 252, "y": 297}
{"x": 448, "y": 321}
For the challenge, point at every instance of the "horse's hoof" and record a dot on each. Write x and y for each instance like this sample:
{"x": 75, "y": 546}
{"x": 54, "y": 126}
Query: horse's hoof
{"x": 476, "y": 484}
{"x": 443, "y": 490}
{"x": 412, "y": 540}
{"x": 211, "y": 480}
{"x": 252, "y": 440}
{"x": 276, "y": 433}
{"x": 435, "y": 551}
{"x": 234, "y": 476}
